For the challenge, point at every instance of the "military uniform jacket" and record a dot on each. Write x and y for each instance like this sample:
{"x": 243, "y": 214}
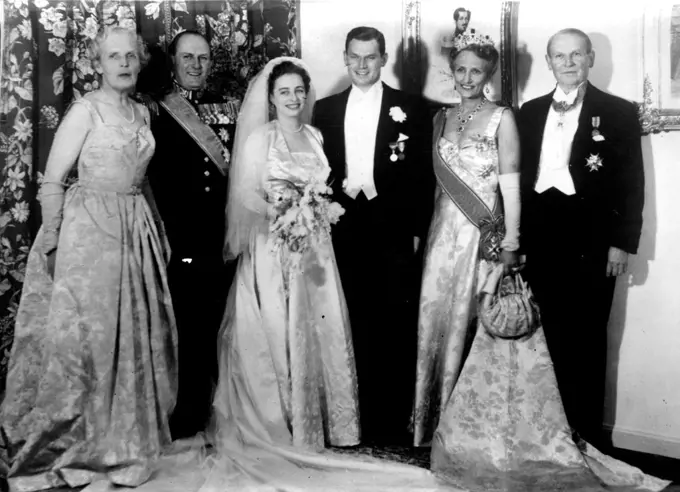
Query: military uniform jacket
{"x": 188, "y": 173}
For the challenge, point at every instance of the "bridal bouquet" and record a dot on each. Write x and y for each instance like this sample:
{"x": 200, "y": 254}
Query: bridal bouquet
{"x": 303, "y": 216}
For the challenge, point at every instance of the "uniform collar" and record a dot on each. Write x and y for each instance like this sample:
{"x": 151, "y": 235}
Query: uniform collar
{"x": 191, "y": 96}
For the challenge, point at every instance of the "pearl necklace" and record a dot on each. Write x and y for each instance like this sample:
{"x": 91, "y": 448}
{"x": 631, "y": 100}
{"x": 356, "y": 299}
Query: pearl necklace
{"x": 297, "y": 130}
{"x": 110, "y": 101}
{"x": 468, "y": 118}
{"x": 133, "y": 115}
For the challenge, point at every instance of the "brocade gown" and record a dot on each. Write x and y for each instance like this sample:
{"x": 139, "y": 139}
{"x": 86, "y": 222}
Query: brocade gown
{"x": 92, "y": 374}
{"x": 490, "y": 408}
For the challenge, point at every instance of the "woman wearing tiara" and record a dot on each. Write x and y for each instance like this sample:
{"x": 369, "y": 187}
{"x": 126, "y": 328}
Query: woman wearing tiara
{"x": 490, "y": 409}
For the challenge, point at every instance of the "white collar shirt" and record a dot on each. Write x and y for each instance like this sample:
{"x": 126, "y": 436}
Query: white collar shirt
{"x": 558, "y": 137}
{"x": 361, "y": 127}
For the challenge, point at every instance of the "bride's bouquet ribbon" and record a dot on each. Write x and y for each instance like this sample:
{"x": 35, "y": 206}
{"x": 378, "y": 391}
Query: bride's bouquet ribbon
{"x": 490, "y": 222}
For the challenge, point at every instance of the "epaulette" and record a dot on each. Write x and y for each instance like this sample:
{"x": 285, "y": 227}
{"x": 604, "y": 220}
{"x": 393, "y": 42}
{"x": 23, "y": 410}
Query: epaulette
{"x": 149, "y": 102}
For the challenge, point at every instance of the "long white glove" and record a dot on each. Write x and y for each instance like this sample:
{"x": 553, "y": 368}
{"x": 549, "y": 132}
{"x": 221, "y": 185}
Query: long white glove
{"x": 52, "y": 207}
{"x": 509, "y": 184}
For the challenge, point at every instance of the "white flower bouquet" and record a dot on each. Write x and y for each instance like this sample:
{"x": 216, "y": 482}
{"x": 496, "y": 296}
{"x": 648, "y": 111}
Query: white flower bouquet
{"x": 303, "y": 215}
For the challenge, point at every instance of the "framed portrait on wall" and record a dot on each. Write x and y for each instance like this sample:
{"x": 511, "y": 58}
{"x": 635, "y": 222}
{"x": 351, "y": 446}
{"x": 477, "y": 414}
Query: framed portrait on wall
{"x": 431, "y": 28}
{"x": 660, "y": 108}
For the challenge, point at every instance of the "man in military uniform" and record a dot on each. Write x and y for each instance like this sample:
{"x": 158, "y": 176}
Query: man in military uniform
{"x": 188, "y": 176}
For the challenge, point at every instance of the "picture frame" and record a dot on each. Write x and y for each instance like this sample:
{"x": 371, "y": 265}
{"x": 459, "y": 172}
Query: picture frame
{"x": 660, "y": 107}
{"x": 428, "y": 31}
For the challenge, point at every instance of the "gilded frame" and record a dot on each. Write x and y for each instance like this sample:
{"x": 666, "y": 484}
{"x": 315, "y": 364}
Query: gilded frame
{"x": 660, "y": 107}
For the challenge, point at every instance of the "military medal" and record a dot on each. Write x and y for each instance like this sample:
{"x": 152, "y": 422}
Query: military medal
{"x": 217, "y": 113}
{"x": 401, "y": 146}
{"x": 597, "y": 136}
{"x": 393, "y": 147}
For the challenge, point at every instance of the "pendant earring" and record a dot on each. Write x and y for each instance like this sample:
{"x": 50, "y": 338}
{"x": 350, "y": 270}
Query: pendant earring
{"x": 486, "y": 90}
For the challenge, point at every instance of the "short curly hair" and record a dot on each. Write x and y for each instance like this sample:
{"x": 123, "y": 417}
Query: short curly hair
{"x": 486, "y": 52}
{"x": 95, "y": 45}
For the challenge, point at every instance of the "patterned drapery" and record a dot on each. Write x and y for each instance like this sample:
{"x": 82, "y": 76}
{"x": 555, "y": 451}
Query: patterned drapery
{"x": 36, "y": 90}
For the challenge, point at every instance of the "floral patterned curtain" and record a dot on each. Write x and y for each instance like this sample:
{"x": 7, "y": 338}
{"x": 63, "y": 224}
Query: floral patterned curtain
{"x": 35, "y": 91}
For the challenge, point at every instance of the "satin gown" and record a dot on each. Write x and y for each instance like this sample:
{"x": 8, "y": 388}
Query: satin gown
{"x": 93, "y": 369}
{"x": 287, "y": 368}
{"x": 490, "y": 408}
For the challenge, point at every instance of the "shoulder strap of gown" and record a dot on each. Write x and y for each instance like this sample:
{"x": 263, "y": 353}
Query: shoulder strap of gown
{"x": 494, "y": 121}
{"x": 96, "y": 117}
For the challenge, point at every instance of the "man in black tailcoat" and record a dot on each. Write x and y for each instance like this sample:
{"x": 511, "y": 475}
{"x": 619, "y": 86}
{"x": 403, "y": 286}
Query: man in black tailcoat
{"x": 188, "y": 176}
{"x": 583, "y": 194}
{"x": 378, "y": 140}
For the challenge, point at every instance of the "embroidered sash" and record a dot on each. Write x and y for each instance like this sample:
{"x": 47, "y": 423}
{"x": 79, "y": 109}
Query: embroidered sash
{"x": 489, "y": 222}
{"x": 185, "y": 114}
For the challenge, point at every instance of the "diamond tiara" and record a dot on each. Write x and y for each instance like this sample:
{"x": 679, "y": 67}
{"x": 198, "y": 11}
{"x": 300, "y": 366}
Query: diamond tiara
{"x": 463, "y": 40}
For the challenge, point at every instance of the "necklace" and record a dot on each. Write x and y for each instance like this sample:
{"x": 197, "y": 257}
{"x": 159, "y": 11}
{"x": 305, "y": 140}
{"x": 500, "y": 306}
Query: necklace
{"x": 469, "y": 117}
{"x": 297, "y": 130}
{"x": 110, "y": 101}
{"x": 133, "y": 115}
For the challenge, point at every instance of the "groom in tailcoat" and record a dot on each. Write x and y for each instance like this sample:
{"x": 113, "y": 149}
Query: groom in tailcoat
{"x": 378, "y": 140}
{"x": 583, "y": 193}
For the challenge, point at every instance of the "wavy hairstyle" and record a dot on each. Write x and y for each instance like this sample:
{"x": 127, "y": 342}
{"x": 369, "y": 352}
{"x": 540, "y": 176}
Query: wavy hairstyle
{"x": 486, "y": 52}
{"x": 287, "y": 68}
{"x": 94, "y": 47}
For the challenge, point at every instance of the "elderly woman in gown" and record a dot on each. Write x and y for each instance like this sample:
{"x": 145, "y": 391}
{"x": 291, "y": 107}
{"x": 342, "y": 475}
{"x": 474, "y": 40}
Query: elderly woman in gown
{"x": 92, "y": 373}
{"x": 490, "y": 409}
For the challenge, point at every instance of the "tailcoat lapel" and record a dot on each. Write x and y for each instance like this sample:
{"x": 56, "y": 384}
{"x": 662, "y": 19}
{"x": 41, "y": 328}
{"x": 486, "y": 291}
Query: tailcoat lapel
{"x": 536, "y": 136}
{"x": 384, "y": 135}
{"x": 581, "y": 143}
{"x": 339, "y": 145}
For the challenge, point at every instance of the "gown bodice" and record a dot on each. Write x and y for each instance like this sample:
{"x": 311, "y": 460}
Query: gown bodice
{"x": 114, "y": 157}
{"x": 286, "y": 168}
{"x": 474, "y": 158}
{"x": 303, "y": 168}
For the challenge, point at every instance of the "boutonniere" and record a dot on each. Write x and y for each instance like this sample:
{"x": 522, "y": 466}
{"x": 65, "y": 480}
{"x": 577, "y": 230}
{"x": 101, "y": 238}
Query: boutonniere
{"x": 400, "y": 144}
{"x": 597, "y": 136}
{"x": 397, "y": 114}
{"x": 594, "y": 162}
